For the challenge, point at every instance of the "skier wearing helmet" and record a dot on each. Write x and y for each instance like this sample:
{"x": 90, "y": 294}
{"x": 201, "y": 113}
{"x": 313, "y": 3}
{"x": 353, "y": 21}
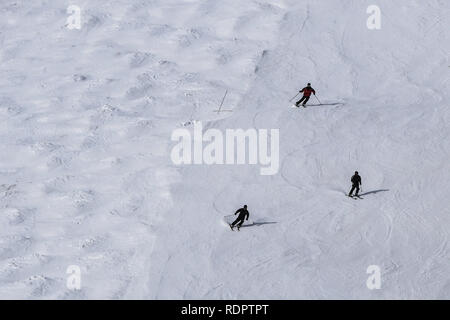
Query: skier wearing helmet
{"x": 243, "y": 213}
{"x": 356, "y": 182}
{"x": 306, "y": 95}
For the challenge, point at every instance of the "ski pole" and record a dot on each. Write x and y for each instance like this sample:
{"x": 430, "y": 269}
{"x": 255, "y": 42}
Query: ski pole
{"x": 294, "y": 97}
{"x": 317, "y": 99}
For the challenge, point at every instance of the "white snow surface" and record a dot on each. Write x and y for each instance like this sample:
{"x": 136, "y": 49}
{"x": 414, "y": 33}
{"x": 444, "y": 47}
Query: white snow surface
{"x": 86, "y": 177}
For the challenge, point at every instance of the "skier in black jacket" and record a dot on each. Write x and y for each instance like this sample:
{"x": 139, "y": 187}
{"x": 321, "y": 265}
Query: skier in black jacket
{"x": 356, "y": 182}
{"x": 243, "y": 213}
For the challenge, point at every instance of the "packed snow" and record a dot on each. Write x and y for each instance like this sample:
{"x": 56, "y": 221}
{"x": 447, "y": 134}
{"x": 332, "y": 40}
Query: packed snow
{"x": 87, "y": 179}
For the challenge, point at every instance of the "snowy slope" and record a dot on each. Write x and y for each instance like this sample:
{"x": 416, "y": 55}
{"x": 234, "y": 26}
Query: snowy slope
{"x": 85, "y": 171}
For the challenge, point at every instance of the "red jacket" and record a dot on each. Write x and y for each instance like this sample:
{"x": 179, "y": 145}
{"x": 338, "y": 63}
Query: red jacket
{"x": 307, "y": 91}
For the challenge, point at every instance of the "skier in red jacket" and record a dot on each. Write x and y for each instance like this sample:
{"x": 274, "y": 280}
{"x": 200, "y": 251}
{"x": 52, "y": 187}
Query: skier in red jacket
{"x": 306, "y": 95}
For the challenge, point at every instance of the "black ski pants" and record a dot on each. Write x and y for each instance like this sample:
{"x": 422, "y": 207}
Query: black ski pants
{"x": 239, "y": 221}
{"x": 305, "y": 98}
{"x": 354, "y": 186}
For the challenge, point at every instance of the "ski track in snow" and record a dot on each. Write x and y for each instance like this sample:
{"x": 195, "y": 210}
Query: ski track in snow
{"x": 86, "y": 177}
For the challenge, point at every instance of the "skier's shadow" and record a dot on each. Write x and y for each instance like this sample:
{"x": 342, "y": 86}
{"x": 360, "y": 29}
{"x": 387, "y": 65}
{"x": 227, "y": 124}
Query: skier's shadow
{"x": 373, "y": 192}
{"x": 325, "y": 104}
{"x": 257, "y": 224}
